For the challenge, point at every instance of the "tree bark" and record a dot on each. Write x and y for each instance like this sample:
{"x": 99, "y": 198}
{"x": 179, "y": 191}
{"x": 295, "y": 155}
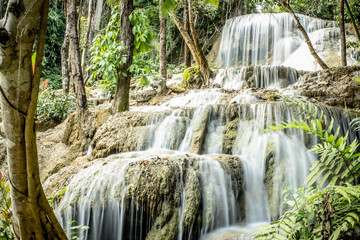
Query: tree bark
{"x": 323, "y": 65}
{"x": 352, "y": 20}
{"x": 74, "y": 56}
{"x": 173, "y": 45}
{"x": 86, "y": 39}
{"x": 342, "y": 34}
{"x": 121, "y": 101}
{"x": 19, "y": 87}
{"x": 244, "y": 8}
{"x": 203, "y": 63}
{"x": 237, "y": 8}
{"x": 187, "y": 53}
{"x": 65, "y": 78}
{"x": 162, "y": 38}
{"x": 97, "y": 15}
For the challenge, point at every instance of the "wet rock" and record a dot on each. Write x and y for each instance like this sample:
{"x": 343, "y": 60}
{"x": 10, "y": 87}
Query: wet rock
{"x": 199, "y": 131}
{"x": 230, "y": 133}
{"x": 121, "y": 133}
{"x": 337, "y": 87}
{"x": 78, "y": 133}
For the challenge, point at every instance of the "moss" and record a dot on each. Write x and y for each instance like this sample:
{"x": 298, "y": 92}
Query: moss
{"x": 166, "y": 225}
{"x": 230, "y": 133}
{"x": 192, "y": 197}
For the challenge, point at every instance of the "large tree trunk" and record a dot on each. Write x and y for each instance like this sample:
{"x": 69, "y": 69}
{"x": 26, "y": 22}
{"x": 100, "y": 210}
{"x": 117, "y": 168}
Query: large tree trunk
{"x": 352, "y": 20}
{"x": 86, "y": 39}
{"x": 323, "y": 65}
{"x": 342, "y": 34}
{"x": 162, "y": 39}
{"x": 121, "y": 101}
{"x": 33, "y": 218}
{"x": 65, "y": 78}
{"x": 74, "y": 56}
{"x": 187, "y": 53}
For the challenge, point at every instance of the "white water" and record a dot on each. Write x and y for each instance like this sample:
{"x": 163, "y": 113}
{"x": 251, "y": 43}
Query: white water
{"x": 272, "y": 39}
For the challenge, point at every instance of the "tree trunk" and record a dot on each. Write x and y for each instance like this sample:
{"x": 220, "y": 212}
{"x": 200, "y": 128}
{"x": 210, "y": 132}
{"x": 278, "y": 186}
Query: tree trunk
{"x": 342, "y": 34}
{"x": 203, "y": 63}
{"x": 64, "y": 60}
{"x": 74, "y": 56}
{"x": 237, "y": 8}
{"x": 305, "y": 35}
{"x": 187, "y": 53}
{"x": 352, "y": 20}
{"x": 172, "y": 46}
{"x": 32, "y": 217}
{"x": 190, "y": 43}
{"x": 121, "y": 101}
{"x": 244, "y": 8}
{"x": 162, "y": 38}
{"x": 86, "y": 39}
{"x": 97, "y": 15}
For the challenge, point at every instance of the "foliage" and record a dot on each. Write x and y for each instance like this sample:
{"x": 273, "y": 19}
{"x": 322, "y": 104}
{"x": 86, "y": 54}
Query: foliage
{"x": 75, "y": 230}
{"x": 108, "y": 52}
{"x": 5, "y": 203}
{"x": 54, "y": 38}
{"x": 56, "y": 195}
{"x": 330, "y": 212}
{"x": 54, "y": 105}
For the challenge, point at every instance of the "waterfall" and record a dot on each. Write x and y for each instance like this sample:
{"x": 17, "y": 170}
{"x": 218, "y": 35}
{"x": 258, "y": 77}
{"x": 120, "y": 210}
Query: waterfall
{"x": 204, "y": 166}
{"x": 268, "y": 39}
{"x": 271, "y": 77}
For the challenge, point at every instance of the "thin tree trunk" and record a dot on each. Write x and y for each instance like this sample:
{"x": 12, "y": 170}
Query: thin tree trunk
{"x": 305, "y": 35}
{"x": 121, "y": 101}
{"x": 187, "y": 53}
{"x": 65, "y": 78}
{"x": 204, "y": 66}
{"x": 97, "y": 15}
{"x": 352, "y": 20}
{"x": 237, "y": 8}
{"x": 342, "y": 34}
{"x": 32, "y": 216}
{"x": 74, "y": 56}
{"x": 163, "y": 67}
{"x": 172, "y": 46}
{"x": 244, "y": 8}
{"x": 86, "y": 39}
{"x": 188, "y": 40}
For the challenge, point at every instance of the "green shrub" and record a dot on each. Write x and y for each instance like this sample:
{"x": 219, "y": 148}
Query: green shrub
{"x": 55, "y": 105}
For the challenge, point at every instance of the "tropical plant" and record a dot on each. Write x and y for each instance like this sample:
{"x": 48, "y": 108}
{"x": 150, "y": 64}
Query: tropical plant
{"x": 330, "y": 210}
{"x": 108, "y": 52}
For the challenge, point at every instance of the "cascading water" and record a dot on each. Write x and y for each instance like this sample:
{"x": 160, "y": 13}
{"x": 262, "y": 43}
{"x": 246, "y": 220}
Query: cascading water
{"x": 167, "y": 190}
{"x": 273, "y": 39}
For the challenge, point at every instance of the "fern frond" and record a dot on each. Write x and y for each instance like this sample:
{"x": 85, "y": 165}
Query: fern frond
{"x": 355, "y": 124}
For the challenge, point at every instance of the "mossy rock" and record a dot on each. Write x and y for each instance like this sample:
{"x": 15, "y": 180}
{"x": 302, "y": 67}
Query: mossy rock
{"x": 230, "y": 133}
